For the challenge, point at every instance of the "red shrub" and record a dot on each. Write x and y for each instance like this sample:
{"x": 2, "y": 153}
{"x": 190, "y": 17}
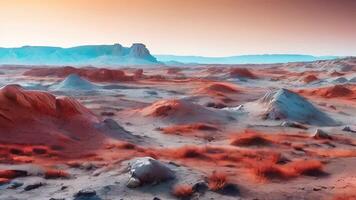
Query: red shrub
{"x": 10, "y": 174}
{"x": 182, "y": 191}
{"x": 217, "y": 181}
{"x": 54, "y": 174}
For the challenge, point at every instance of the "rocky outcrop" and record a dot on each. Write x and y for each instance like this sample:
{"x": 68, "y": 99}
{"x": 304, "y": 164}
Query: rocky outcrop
{"x": 148, "y": 170}
{"x": 284, "y": 104}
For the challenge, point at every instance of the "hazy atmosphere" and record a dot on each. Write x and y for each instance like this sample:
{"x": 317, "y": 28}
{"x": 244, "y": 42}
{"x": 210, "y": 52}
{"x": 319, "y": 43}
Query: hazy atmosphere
{"x": 194, "y": 27}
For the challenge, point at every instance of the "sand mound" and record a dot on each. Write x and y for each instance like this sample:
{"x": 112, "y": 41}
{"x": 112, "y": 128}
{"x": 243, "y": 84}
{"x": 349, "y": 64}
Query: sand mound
{"x": 92, "y": 74}
{"x": 181, "y": 111}
{"x": 241, "y": 73}
{"x": 75, "y": 83}
{"x": 285, "y": 104}
{"x": 336, "y": 74}
{"x": 218, "y": 88}
{"x": 53, "y": 120}
{"x": 310, "y": 78}
{"x": 335, "y": 91}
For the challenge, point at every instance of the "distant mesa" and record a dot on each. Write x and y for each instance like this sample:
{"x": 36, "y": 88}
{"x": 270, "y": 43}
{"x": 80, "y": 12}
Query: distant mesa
{"x": 241, "y": 59}
{"x": 284, "y": 104}
{"x": 73, "y": 82}
{"x": 115, "y": 54}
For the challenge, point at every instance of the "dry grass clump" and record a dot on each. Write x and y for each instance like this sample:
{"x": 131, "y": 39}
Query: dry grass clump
{"x": 269, "y": 171}
{"x": 217, "y": 181}
{"x": 183, "y": 191}
{"x": 55, "y": 174}
{"x": 11, "y": 174}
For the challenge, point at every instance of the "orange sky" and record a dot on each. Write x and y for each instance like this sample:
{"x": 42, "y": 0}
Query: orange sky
{"x": 185, "y": 27}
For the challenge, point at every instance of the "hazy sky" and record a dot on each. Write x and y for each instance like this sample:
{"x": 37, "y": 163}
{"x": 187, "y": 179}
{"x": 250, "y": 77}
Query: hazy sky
{"x": 185, "y": 27}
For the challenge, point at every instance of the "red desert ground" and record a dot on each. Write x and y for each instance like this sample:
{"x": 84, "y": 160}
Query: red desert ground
{"x": 265, "y": 131}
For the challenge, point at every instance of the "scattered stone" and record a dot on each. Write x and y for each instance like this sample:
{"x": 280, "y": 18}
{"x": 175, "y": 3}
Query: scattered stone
{"x": 230, "y": 190}
{"x": 33, "y": 186}
{"x": 108, "y": 114}
{"x": 348, "y": 129}
{"x": 320, "y": 134}
{"x": 15, "y": 185}
{"x": 148, "y": 170}
{"x": 88, "y": 166}
{"x": 200, "y": 187}
{"x": 174, "y": 164}
{"x": 293, "y": 125}
{"x": 85, "y": 193}
{"x": 133, "y": 183}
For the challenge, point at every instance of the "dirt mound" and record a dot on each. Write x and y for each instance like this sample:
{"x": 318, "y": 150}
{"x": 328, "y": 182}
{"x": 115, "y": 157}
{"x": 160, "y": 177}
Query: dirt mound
{"x": 92, "y": 74}
{"x": 310, "y": 78}
{"x": 180, "y": 110}
{"x": 219, "y": 88}
{"x": 54, "y": 121}
{"x": 74, "y": 83}
{"x": 337, "y": 91}
{"x": 285, "y": 104}
{"x": 336, "y": 74}
{"x": 251, "y": 139}
{"x": 241, "y": 73}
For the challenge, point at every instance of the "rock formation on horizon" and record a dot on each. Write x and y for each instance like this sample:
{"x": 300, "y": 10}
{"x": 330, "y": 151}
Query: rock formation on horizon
{"x": 115, "y": 54}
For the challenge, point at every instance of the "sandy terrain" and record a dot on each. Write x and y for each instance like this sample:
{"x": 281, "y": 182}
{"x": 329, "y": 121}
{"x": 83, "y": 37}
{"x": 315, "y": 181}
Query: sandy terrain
{"x": 273, "y": 131}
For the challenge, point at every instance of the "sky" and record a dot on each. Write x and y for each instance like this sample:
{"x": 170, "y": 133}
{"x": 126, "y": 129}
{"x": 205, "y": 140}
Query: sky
{"x": 185, "y": 27}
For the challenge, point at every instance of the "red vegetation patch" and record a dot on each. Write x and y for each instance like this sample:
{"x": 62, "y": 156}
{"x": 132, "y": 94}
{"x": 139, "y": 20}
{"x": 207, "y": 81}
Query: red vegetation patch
{"x": 242, "y": 72}
{"x": 182, "y": 191}
{"x": 268, "y": 171}
{"x": 11, "y": 174}
{"x": 217, "y": 181}
{"x": 4, "y": 181}
{"x": 92, "y": 74}
{"x": 310, "y": 78}
{"x": 55, "y": 174}
{"x": 189, "y": 128}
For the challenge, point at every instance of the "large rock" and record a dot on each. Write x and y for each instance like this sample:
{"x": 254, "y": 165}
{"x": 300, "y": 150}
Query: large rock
{"x": 148, "y": 170}
{"x": 285, "y": 104}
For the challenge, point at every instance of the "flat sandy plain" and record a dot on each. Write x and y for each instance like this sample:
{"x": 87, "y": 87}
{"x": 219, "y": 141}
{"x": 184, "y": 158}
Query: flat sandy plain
{"x": 276, "y": 131}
